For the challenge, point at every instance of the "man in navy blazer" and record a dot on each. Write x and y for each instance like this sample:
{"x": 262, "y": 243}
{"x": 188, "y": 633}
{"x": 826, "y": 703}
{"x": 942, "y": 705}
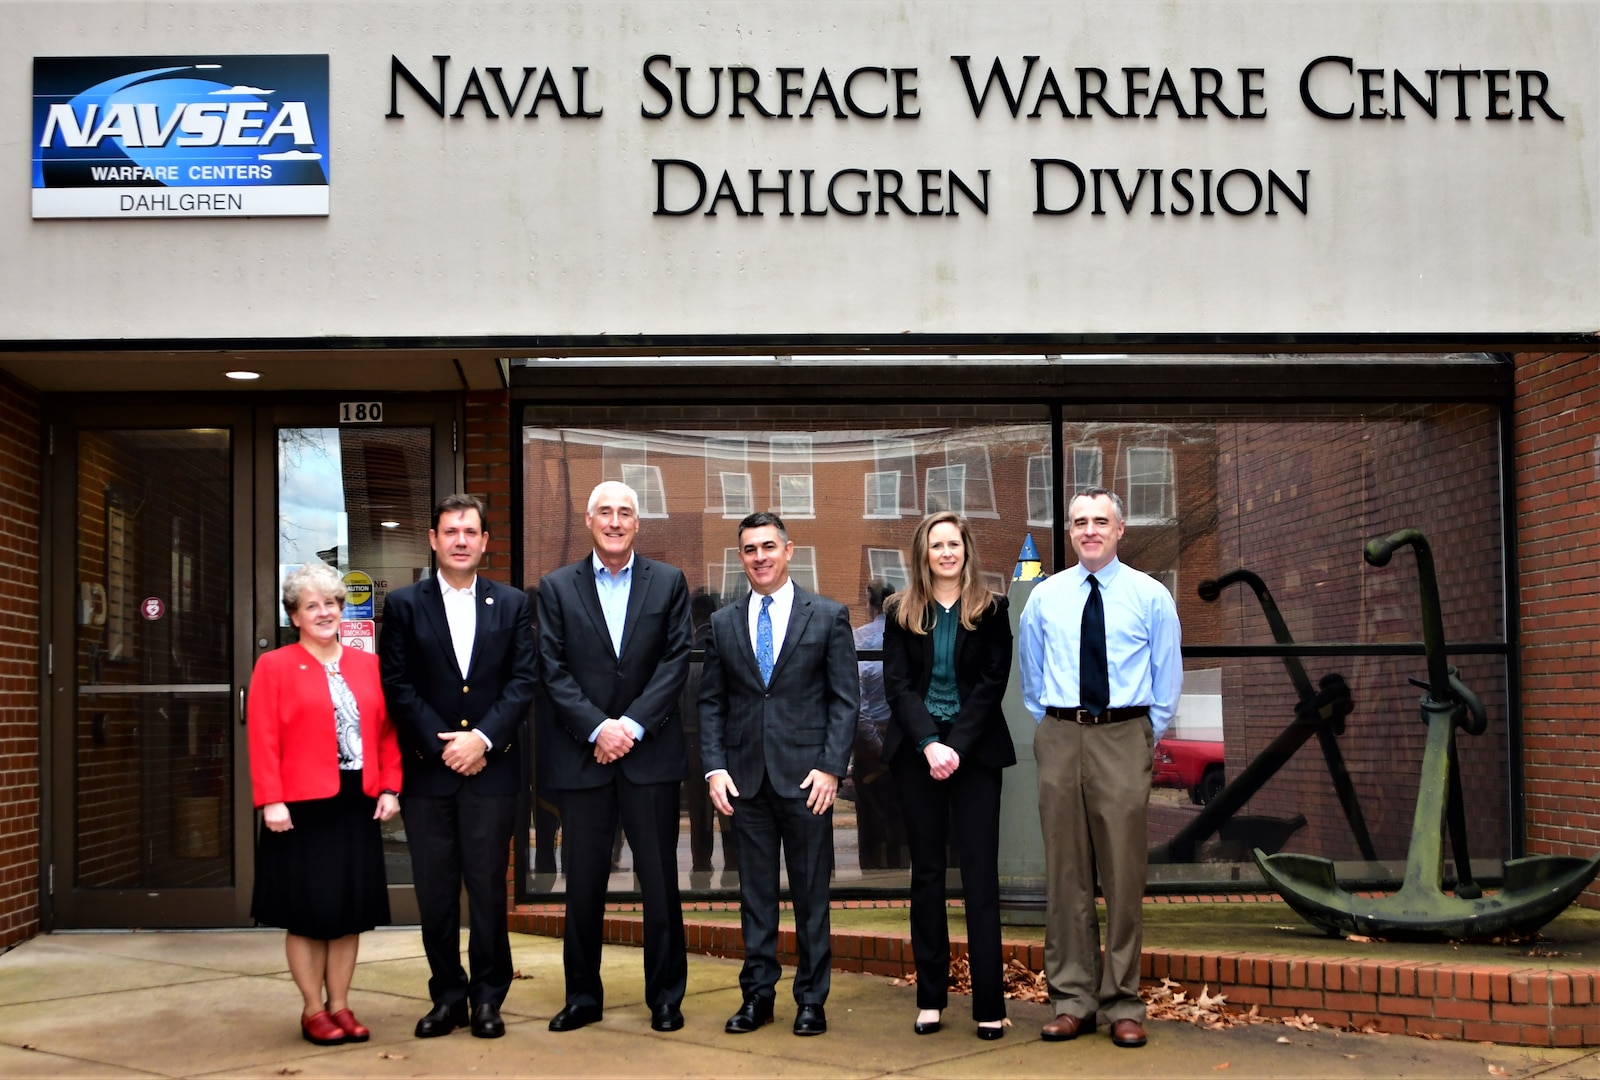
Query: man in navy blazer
{"x": 459, "y": 673}
{"x": 778, "y": 701}
{"x": 614, "y": 637}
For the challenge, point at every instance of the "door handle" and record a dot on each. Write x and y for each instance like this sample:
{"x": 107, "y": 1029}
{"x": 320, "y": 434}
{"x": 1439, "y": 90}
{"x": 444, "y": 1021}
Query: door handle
{"x": 243, "y": 715}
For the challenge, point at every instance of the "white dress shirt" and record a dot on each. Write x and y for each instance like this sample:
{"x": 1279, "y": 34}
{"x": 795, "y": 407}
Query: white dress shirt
{"x": 782, "y": 605}
{"x": 461, "y": 612}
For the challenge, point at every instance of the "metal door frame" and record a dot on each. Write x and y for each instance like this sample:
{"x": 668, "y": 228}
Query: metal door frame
{"x": 64, "y": 904}
{"x": 440, "y": 414}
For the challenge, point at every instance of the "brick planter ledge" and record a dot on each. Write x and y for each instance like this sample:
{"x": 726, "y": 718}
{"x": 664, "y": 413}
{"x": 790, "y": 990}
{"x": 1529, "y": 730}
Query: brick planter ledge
{"x": 1476, "y": 1002}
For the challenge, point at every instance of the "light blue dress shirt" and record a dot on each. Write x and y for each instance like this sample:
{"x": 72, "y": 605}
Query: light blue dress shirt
{"x": 614, "y": 590}
{"x": 1143, "y": 642}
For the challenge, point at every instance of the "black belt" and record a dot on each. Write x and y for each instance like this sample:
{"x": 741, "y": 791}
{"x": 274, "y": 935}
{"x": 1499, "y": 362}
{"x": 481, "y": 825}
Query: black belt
{"x": 1109, "y": 716}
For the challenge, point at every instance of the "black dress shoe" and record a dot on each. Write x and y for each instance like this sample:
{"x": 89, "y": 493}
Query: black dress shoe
{"x": 997, "y": 1032}
{"x": 442, "y": 1020}
{"x": 752, "y": 1014}
{"x": 486, "y": 1022}
{"x": 573, "y": 1017}
{"x": 666, "y": 1017}
{"x": 927, "y": 1027}
{"x": 810, "y": 1020}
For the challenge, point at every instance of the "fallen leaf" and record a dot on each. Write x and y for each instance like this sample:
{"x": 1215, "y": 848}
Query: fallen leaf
{"x": 1495, "y": 1070}
{"x": 519, "y": 975}
{"x": 1219, "y": 1068}
{"x": 29, "y": 1046}
{"x": 389, "y": 1055}
{"x": 1285, "y": 1039}
{"x": 1361, "y": 939}
{"x": 286, "y": 1071}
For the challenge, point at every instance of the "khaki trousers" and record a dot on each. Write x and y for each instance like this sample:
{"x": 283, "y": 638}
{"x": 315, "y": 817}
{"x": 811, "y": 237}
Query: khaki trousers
{"x": 1094, "y": 787}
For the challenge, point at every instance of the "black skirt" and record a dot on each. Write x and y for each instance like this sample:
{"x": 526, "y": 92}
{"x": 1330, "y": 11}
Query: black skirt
{"x": 324, "y": 878}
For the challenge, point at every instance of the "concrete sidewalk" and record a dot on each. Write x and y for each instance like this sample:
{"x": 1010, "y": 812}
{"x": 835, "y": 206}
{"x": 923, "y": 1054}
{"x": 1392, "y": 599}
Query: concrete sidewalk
{"x": 221, "y": 1004}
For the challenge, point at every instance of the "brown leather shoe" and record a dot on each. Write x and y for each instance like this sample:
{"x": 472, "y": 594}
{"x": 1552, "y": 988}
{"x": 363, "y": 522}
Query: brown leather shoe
{"x": 1129, "y": 1033}
{"x": 1065, "y": 1027}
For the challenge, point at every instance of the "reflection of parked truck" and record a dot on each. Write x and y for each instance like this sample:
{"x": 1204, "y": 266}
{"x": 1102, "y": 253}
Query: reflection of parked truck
{"x": 1190, "y": 755}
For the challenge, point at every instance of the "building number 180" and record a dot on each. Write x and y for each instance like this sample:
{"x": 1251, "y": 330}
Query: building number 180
{"x": 361, "y": 412}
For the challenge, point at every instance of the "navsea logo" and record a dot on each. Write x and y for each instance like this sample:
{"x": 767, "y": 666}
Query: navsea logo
{"x": 180, "y": 136}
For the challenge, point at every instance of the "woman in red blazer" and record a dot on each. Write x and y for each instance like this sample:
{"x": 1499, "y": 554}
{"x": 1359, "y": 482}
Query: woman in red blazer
{"x": 946, "y": 662}
{"x": 325, "y": 769}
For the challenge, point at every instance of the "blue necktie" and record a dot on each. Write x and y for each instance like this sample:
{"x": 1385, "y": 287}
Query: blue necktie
{"x": 1094, "y": 679}
{"x": 764, "y": 657}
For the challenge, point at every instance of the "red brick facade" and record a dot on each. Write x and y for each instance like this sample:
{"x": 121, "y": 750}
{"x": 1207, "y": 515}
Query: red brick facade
{"x": 1556, "y": 476}
{"x": 486, "y": 445}
{"x": 19, "y": 664}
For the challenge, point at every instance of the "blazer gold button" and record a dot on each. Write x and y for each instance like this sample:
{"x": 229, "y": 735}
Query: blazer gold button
{"x": 463, "y": 723}
{"x": 466, "y": 689}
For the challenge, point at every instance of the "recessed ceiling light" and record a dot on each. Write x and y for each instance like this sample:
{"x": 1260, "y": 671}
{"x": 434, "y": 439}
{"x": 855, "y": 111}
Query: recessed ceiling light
{"x": 390, "y": 524}
{"x": 242, "y": 375}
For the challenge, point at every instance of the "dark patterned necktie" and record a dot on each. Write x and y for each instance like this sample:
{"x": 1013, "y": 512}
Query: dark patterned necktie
{"x": 764, "y": 656}
{"x": 1094, "y": 680}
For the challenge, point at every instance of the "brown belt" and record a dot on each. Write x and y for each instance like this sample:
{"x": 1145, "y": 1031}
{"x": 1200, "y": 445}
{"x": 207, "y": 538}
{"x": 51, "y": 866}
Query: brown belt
{"x": 1110, "y": 716}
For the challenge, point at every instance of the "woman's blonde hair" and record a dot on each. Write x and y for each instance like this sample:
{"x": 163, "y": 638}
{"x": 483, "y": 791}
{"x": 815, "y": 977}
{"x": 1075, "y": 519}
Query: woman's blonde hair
{"x": 910, "y": 608}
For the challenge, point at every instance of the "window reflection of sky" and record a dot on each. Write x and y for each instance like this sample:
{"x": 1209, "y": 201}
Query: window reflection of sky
{"x": 311, "y": 510}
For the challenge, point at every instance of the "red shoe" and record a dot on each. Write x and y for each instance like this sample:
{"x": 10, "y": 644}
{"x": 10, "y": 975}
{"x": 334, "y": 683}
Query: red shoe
{"x": 355, "y": 1029}
{"x": 322, "y": 1029}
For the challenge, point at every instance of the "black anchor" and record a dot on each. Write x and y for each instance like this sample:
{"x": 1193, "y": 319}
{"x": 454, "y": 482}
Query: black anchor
{"x": 1320, "y": 711}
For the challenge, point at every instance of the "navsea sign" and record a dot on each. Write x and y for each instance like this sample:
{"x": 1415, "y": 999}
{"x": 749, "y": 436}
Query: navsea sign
{"x": 525, "y": 176}
{"x": 180, "y": 136}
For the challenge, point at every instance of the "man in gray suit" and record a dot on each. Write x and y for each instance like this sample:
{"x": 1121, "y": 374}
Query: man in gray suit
{"x": 778, "y": 704}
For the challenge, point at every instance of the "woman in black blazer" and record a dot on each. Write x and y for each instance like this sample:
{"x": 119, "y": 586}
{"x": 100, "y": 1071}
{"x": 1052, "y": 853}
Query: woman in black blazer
{"x": 946, "y": 661}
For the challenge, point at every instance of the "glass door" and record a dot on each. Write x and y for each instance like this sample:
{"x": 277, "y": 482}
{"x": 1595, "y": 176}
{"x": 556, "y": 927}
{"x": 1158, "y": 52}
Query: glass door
{"x": 150, "y": 787}
{"x": 358, "y": 494}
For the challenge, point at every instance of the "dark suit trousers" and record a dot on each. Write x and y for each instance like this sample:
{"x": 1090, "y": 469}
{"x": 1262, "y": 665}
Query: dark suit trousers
{"x": 1094, "y": 791}
{"x": 967, "y": 806}
{"x": 764, "y": 823}
{"x": 459, "y": 839}
{"x": 649, "y": 817}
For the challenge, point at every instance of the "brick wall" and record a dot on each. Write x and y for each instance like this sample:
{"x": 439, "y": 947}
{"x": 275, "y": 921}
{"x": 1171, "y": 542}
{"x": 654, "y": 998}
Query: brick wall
{"x": 19, "y": 664}
{"x": 487, "y": 449}
{"x": 1556, "y": 428}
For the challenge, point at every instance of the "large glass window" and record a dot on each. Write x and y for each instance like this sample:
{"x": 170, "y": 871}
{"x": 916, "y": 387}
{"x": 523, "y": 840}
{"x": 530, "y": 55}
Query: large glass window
{"x": 1290, "y": 494}
{"x": 812, "y": 469}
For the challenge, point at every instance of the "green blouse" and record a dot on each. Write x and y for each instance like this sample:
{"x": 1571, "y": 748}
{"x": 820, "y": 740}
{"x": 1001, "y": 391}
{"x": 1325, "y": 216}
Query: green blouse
{"x": 943, "y": 700}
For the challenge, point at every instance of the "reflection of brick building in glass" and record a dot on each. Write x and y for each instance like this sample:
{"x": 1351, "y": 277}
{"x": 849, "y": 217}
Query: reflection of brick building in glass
{"x": 850, "y": 491}
{"x": 1291, "y": 499}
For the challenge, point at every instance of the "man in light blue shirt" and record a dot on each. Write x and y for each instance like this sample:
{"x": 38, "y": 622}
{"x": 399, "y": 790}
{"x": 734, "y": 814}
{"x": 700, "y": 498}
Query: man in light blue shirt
{"x": 1101, "y": 667}
{"x": 614, "y": 639}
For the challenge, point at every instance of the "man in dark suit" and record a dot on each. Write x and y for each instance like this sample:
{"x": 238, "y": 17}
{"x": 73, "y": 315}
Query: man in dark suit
{"x": 614, "y": 639}
{"x": 778, "y": 702}
{"x": 459, "y": 673}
